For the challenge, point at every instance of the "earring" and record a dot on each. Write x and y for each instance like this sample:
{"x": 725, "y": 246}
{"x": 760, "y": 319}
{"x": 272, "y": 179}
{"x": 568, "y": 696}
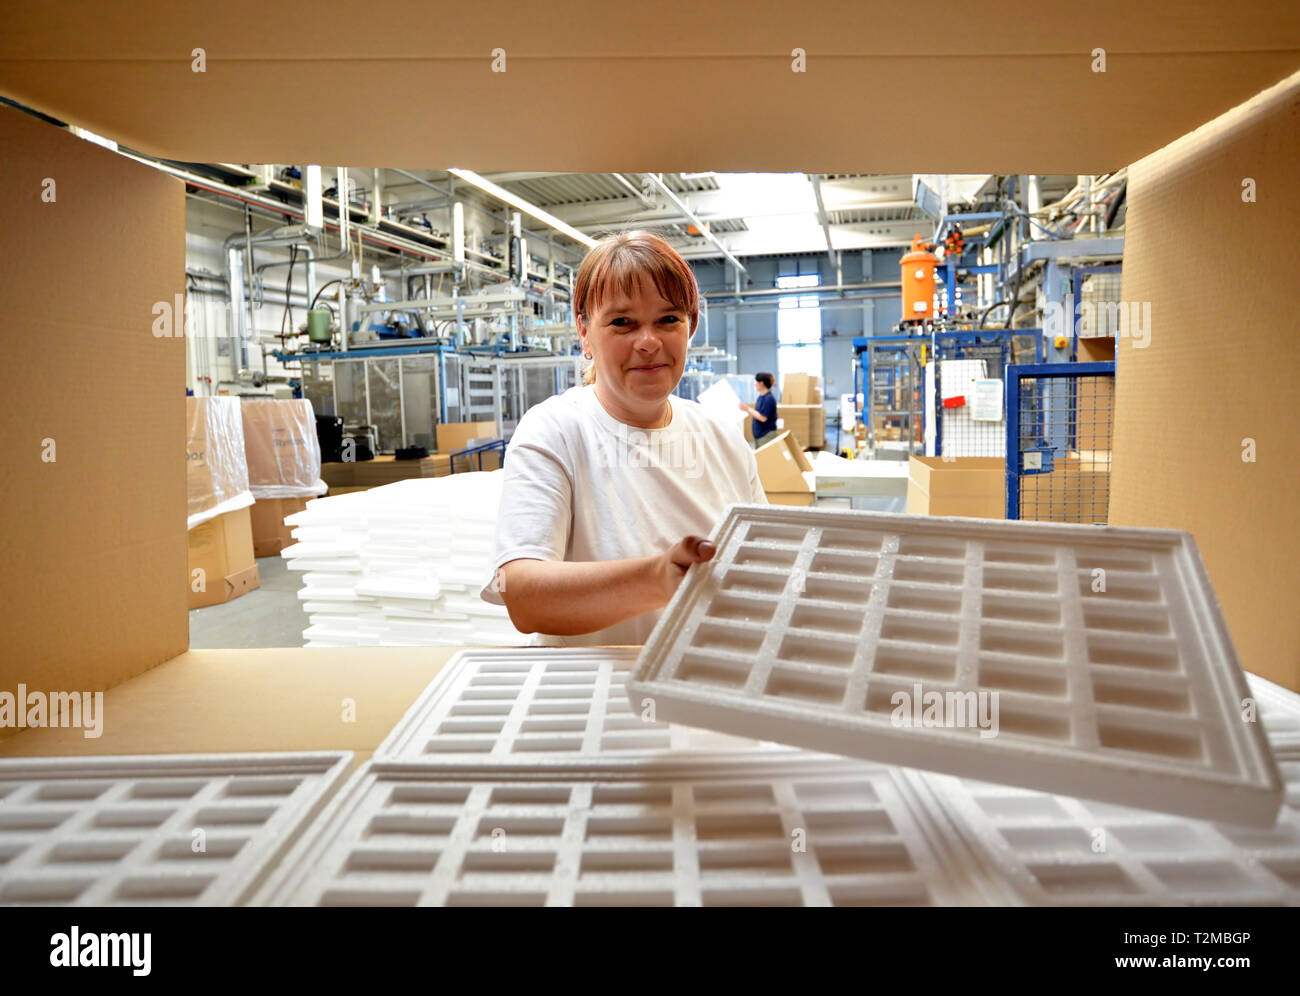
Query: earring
{"x": 586, "y": 356}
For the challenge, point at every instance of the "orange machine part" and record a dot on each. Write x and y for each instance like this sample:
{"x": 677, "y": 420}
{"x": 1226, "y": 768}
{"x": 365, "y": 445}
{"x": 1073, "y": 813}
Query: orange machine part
{"x": 918, "y": 282}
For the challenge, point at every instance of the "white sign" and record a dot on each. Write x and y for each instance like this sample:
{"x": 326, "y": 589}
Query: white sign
{"x": 986, "y": 401}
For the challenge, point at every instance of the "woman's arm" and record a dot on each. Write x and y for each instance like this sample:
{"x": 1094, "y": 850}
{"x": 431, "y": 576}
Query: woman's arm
{"x": 562, "y": 598}
{"x": 753, "y": 411}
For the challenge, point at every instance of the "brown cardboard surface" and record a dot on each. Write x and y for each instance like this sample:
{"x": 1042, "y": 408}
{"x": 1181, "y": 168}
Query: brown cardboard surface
{"x": 1186, "y": 404}
{"x": 797, "y": 388}
{"x": 251, "y": 700}
{"x": 966, "y": 486}
{"x": 790, "y": 497}
{"x": 1171, "y": 64}
{"x": 93, "y": 542}
{"x": 270, "y": 533}
{"x": 456, "y": 435}
{"x": 223, "y": 549}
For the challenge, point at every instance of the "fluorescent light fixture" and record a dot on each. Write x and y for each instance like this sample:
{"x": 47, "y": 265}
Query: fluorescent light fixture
{"x": 458, "y": 232}
{"x": 312, "y": 191}
{"x": 501, "y": 194}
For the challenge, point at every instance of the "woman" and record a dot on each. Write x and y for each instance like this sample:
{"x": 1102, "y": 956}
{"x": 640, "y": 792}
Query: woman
{"x": 611, "y": 488}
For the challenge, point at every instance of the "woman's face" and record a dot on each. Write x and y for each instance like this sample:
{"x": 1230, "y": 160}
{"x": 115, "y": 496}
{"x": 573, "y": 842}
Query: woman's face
{"x": 638, "y": 345}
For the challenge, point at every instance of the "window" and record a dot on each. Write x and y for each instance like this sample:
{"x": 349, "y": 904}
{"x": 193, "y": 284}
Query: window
{"x": 799, "y": 326}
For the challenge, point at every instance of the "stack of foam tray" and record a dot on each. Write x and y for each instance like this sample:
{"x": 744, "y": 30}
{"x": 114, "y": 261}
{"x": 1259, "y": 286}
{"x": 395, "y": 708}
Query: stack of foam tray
{"x": 539, "y": 777}
{"x": 401, "y": 565}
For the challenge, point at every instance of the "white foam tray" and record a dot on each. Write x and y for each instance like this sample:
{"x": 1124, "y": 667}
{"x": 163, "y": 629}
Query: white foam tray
{"x": 119, "y": 830}
{"x": 808, "y": 622}
{"x": 537, "y": 704}
{"x": 1059, "y": 851}
{"x": 637, "y": 833}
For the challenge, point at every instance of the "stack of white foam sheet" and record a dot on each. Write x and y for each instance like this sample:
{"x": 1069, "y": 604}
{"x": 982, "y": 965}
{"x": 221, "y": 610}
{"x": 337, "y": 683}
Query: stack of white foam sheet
{"x": 401, "y": 565}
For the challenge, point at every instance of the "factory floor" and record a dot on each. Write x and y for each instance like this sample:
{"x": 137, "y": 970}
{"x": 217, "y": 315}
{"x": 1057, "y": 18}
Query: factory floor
{"x": 272, "y": 616}
{"x": 268, "y": 616}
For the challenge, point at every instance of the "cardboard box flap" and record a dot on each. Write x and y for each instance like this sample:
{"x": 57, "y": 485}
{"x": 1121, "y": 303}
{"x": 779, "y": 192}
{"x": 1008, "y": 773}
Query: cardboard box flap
{"x": 1169, "y": 66}
{"x": 781, "y": 465}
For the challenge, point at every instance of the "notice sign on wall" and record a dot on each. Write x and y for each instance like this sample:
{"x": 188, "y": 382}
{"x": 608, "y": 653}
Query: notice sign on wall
{"x": 986, "y": 400}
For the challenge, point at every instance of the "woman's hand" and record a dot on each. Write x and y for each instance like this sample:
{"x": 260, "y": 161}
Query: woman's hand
{"x": 675, "y": 561}
{"x": 745, "y": 408}
{"x": 567, "y": 598}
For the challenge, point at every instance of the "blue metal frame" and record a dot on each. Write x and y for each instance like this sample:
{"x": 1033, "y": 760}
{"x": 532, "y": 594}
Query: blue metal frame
{"x": 1015, "y": 372}
{"x": 1076, "y": 277}
{"x": 469, "y": 451}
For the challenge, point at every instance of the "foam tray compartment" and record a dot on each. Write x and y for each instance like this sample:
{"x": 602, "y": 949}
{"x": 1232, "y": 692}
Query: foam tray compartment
{"x": 534, "y": 705}
{"x": 1055, "y": 850}
{"x": 800, "y": 832}
{"x": 808, "y": 624}
{"x": 120, "y": 830}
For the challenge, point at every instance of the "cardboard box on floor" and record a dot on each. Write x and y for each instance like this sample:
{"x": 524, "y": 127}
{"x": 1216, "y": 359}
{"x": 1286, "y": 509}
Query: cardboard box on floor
{"x": 221, "y": 564}
{"x": 270, "y": 532}
{"x": 106, "y": 509}
{"x": 967, "y": 486}
{"x": 781, "y": 469}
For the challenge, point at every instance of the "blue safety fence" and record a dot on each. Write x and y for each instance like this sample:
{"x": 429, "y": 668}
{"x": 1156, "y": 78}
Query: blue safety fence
{"x": 1058, "y": 441}
{"x": 475, "y": 453}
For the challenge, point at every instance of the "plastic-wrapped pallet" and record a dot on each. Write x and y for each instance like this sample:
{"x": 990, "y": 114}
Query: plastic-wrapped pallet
{"x": 216, "y": 466}
{"x": 282, "y": 448}
{"x": 401, "y": 565}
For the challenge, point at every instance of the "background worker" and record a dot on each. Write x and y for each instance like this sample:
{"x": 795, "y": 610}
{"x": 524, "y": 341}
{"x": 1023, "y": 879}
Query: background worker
{"x": 763, "y": 410}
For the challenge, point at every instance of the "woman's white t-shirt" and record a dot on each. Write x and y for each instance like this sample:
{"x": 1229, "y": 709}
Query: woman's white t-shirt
{"x": 582, "y": 486}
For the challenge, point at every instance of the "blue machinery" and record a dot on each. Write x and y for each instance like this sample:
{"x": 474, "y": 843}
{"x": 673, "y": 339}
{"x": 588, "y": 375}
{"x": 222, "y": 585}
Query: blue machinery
{"x": 1059, "y": 441}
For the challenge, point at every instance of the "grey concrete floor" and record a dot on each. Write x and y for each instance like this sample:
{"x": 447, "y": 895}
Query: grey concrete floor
{"x": 272, "y": 616}
{"x": 268, "y": 616}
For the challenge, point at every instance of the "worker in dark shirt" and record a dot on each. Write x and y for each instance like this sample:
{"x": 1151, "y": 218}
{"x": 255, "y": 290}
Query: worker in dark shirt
{"x": 763, "y": 410}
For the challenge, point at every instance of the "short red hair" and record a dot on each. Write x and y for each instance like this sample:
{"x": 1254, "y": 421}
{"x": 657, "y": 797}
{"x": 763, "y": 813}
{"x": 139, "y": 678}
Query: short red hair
{"x": 619, "y": 260}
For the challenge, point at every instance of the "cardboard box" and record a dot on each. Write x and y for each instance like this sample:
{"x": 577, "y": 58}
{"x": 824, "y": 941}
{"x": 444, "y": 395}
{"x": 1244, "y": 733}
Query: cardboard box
{"x": 794, "y": 389}
{"x": 270, "y": 534}
{"x": 806, "y": 422}
{"x": 974, "y": 487}
{"x": 450, "y": 436}
{"x": 781, "y": 469}
{"x": 282, "y": 448}
{"x": 222, "y": 548}
{"x": 1175, "y": 73}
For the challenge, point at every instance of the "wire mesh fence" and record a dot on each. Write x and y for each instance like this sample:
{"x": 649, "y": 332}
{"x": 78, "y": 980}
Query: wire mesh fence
{"x": 1058, "y": 452}
{"x": 969, "y": 389}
